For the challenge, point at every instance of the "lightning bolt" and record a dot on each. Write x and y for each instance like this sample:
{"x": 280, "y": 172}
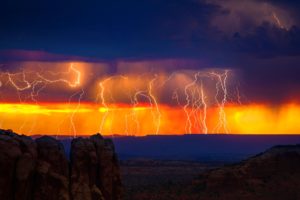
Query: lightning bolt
{"x": 72, "y": 84}
{"x": 277, "y": 20}
{"x": 103, "y": 102}
{"x": 154, "y": 100}
{"x": 175, "y": 97}
{"x": 101, "y": 96}
{"x": 221, "y": 85}
{"x": 238, "y": 96}
{"x": 196, "y": 106}
{"x": 73, "y": 127}
{"x": 36, "y": 84}
{"x": 203, "y": 97}
{"x": 188, "y": 126}
{"x": 192, "y": 97}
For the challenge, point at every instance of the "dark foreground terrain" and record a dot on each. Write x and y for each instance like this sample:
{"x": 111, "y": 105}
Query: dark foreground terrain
{"x": 159, "y": 179}
{"x": 271, "y": 175}
{"x": 40, "y": 169}
{"x": 209, "y": 167}
{"x": 87, "y": 168}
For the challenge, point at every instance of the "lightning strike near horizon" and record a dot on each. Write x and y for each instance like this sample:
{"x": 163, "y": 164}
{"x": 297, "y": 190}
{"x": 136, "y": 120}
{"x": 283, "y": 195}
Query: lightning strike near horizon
{"x": 153, "y": 98}
{"x": 35, "y": 83}
{"x": 277, "y": 20}
{"x": 221, "y": 85}
{"x": 188, "y": 104}
{"x": 73, "y": 126}
{"x": 128, "y": 104}
{"x": 203, "y": 97}
{"x": 196, "y": 106}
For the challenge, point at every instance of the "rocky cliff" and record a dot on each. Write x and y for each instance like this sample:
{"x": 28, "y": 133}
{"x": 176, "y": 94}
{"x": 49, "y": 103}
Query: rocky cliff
{"x": 40, "y": 170}
{"x": 272, "y": 175}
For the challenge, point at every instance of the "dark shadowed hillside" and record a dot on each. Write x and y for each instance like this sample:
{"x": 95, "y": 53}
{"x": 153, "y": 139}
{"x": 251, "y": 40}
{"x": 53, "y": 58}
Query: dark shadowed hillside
{"x": 272, "y": 175}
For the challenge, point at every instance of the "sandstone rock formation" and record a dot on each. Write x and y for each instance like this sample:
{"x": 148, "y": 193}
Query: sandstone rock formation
{"x": 272, "y": 175}
{"x": 40, "y": 170}
{"x": 102, "y": 180}
{"x": 107, "y": 165}
{"x": 18, "y": 157}
{"x": 52, "y": 170}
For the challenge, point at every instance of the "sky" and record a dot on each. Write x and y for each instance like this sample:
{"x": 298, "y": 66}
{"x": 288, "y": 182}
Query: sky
{"x": 183, "y": 57}
{"x": 258, "y": 38}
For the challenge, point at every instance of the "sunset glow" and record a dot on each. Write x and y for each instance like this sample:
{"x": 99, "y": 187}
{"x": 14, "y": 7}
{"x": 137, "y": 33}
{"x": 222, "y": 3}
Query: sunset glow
{"x": 57, "y": 119}
{"x": 77, "y": 98}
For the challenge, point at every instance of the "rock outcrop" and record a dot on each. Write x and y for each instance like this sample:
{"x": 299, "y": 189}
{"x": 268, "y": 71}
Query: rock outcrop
{"x": 52, "y": 170}
{"x": 108, "y": 168}
{"x": 18, "y": 157}
{"x": 272, "y": 175}
{"x": 39, "y": 169}
{"x": 102, "y": 180}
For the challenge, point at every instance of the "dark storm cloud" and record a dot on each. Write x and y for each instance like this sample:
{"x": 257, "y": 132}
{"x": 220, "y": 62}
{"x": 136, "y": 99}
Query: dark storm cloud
{"x": 259, "y": 38}
{"x": 141, "y": 29}
{"x": 291, "y": 5}
{"x": 274, "y": 79}
{"x": 106, "y": 29}
{"x": 268, "y": 41}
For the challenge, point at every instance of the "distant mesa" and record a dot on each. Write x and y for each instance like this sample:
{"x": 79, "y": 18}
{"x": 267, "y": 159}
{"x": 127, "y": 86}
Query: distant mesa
{"x": 272, "y": 175}
{"x": 39, "y": 169}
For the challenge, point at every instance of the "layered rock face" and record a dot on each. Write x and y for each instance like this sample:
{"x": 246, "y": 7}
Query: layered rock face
{"x": 272, "y": 175}
{"x": 40, "y": 170}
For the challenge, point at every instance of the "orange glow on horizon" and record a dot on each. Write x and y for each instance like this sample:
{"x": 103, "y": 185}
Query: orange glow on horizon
{"x": 57, "y": 119}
